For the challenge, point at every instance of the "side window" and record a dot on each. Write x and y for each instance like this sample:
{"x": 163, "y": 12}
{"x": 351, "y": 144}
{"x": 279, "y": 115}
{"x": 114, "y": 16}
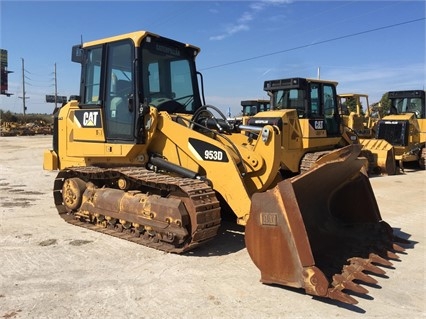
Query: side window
{"x": 119, "y": 75}
{"x": 332, "y": 120}
{"x": 93, "y": 76}
{"x": 181, "y": 83}
{"x": 415, "y": 105}
{"x": 401, "y": 105}
{"x": 297, "y": 101}
{"x": 279, "y": 99}
{"x": 315, "y": 107}
{"x": 170, "y": 79}
{"x": 328, "y": 100}
{"x": 119, "y": 87}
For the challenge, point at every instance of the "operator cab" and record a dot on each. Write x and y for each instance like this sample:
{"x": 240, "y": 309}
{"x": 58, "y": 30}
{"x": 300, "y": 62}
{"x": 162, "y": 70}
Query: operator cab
{"x": 315, "y": 100}
{"x": 408, "y": 102}
{"x": 252, "y": 107}
{"x": 123, "y": 76}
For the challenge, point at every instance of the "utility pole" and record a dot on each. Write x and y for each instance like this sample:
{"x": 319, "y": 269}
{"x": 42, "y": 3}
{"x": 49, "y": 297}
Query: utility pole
{"x": 23, "y": 89}
{"x": 56, "y": 90}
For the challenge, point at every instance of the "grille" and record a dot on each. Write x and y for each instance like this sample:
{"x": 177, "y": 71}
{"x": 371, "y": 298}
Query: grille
{"x": 395, "y": 132}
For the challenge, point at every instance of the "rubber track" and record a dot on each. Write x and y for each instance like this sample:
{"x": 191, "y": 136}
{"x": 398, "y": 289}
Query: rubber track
{"x": 200, "y": 194}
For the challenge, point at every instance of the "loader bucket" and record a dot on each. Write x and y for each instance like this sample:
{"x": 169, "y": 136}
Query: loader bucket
{"x": 321, "y": 230}
{"x": 381, "y": 156}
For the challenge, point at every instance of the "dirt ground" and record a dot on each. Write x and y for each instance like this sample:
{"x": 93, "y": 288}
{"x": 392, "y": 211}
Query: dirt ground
{"x": 50, "y": 269}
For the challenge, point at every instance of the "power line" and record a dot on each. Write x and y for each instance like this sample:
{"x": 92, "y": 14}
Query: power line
{"x": 314, "y": 43}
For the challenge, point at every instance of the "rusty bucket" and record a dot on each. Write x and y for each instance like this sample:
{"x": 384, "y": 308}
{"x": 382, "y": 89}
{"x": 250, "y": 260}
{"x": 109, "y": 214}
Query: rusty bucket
{"x": 321, "y": 230}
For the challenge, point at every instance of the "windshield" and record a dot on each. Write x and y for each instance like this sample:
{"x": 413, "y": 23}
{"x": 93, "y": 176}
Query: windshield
{"x": 290, "y": 99}
{"x": 407, "y": 105}
{"x": 168, "y": 77}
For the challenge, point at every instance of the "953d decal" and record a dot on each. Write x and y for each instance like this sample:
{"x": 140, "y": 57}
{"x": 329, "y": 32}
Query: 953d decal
{"x": 206, "y": 151}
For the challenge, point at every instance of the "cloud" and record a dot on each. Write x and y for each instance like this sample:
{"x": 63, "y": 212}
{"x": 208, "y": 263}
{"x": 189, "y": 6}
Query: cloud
{"x": 375, "y": 80}
{"x": 246, "y": 17}
{"x": 231, "y": 30}
{"x": 242, "y": 23}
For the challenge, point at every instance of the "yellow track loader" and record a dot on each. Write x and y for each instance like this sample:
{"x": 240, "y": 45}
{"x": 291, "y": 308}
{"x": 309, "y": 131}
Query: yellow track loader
{"x": 252, "y": 107}
{"x": 307, "y": 112}
{"x": 142, "y": 157}
{"x": 353, "y": 115}
{"x": 379, "y": 152}
{"x": 405, "y": 126}
{"x": 249, "y": 108}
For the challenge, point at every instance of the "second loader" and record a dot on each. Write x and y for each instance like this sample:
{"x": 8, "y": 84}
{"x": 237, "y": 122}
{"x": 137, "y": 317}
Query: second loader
{"x": 250, "y": 108}
{"x": 306, "y": 111}
{"x": 353, "y": 116}
{"x": 405, "y": 126}
{"x": 379, "y": 152}
{"x": 142, "y": 157}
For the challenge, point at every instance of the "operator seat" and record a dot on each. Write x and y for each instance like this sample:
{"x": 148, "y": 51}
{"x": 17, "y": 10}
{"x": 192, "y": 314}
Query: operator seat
{"x": 122, "y": 91}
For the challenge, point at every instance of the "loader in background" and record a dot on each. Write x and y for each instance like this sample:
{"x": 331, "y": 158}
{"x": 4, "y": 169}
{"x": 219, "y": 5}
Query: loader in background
{"x": 252, "y": 107}
{"x": 354, "y": 117}
{"x": 306, "y": 111}
{"x": 405, "y": 127}
{"x": 379, "y": 152}
{"x": 143, "y": 158}
{"x": 249, "y": 108}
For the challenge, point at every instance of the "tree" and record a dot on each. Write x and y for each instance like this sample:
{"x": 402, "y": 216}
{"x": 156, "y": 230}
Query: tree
{"x": 385, "y": 105}
{"x": 20, "y": 118}
{"x": 350, "y": 104}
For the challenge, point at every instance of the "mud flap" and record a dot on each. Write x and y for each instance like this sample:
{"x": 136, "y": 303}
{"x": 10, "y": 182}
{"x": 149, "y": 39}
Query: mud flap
{"x": 320, "y": 230}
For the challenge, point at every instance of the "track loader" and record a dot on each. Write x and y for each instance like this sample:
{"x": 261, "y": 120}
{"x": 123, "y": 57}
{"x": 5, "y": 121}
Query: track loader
{"x": 142, "y": 157}
{"x": 252, "y": 107}
{"x": 306, "y": 111}
{"x": 379, "y": 152}
{"x": 249, "y": 108}
{"x": 405, "y": 126}
{"x": 353, "y": 115}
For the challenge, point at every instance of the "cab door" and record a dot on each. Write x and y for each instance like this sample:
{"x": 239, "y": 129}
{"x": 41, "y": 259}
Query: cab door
{"x": 119, "y": 88}
{"x": 108, "y": 86}
{"x": 323, "y": 109}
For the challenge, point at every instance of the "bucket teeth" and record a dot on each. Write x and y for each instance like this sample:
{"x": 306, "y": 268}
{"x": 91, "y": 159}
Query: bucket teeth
{"x": 336, "y": 294}
{"x": 398, "y": 248}
{"x": 365, "y": 264}
{"x": 392, "y": 255}
{"x": 365, "y": 278}
{"x": 374, "y": 269}
{"x": 359, "y": 275}
{"x": 340, "y": 280}
{"x": 379, "y": 260}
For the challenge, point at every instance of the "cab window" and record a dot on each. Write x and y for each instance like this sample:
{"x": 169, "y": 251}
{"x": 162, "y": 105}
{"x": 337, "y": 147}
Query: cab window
{"x": 119, "y": 77}
{"x": 92, "y": 77}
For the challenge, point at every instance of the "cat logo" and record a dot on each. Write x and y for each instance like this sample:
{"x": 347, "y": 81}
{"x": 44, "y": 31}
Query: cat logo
{"x": 88, "y": 118}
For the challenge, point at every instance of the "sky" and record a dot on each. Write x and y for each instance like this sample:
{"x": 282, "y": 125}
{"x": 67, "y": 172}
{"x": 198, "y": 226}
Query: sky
{"x": 368, "y": 47}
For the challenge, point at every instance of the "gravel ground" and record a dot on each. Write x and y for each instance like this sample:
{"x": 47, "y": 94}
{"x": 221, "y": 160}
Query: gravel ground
{"x": 50, "y": 269}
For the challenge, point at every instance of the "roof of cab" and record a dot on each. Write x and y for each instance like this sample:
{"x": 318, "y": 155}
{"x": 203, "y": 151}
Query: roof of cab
{"x": 135, "y": 36}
